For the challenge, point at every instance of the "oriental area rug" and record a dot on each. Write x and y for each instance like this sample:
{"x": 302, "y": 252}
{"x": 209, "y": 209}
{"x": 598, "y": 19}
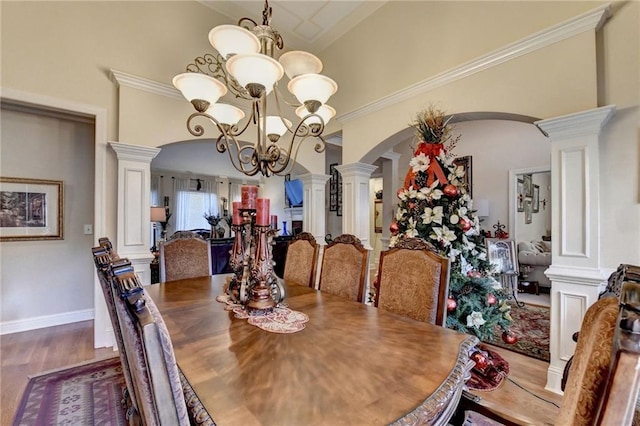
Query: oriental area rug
{"x": 86, "y": 394}
{"x": 531, "y": 324}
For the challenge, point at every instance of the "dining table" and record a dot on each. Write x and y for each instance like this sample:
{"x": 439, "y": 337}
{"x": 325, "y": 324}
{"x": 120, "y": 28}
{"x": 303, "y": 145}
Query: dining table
{"x": 351, "y": 363}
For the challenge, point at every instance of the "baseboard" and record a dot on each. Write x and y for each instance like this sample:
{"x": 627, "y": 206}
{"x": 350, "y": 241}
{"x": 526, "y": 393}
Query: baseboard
{"x": 9, "y": 327}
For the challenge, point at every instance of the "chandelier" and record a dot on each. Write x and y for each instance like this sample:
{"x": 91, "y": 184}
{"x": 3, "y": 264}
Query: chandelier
{"x": 244, "y": 65}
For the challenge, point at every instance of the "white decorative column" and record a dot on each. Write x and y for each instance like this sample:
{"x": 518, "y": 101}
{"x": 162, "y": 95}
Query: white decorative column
{"x": 133, "y": 239}
{"x": 356, "y": 205}
{"x": 389, "y": 188}
{"x": 575, "y": 272}
{"x": 313, "y": 205}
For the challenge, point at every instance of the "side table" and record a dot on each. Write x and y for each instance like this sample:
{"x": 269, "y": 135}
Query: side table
{"x": 530, "y": 287}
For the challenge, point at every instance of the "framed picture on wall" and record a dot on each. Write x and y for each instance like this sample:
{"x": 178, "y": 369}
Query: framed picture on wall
{"x": 528, "y": 210}
{"x": 466, "y": 163}
{"x": 535, "y": 202}
{"x": 377, "y": 216}
{"x": 333, "y": 188}
{"x": 520, "y": 196}
{"x": 30, "y": 209}
{"x": 527, "y": 188}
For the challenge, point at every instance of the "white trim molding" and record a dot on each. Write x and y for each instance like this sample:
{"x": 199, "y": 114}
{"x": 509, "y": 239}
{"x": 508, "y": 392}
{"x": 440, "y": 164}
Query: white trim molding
{"x": 588, "y": 21}
{"x": 35, "y": 323}
{"x": 129, "y": 80}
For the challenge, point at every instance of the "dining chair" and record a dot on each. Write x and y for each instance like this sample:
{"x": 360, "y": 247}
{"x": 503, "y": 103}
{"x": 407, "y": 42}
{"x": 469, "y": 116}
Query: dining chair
{"x": 620, "y": 401}
{"x": 413, "y": 280}
{"x": 184, "y": 255}
{"x": 103, "y": 262}
{"x": 344, "y": 267}
{"x": 149, "y": 352}
{"x": 301, "y": 261}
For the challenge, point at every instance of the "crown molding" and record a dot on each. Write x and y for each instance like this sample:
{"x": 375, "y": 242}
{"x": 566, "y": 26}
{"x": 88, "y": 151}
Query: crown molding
{"x": 588, "y": 21}
{"x": 141, "y": 83}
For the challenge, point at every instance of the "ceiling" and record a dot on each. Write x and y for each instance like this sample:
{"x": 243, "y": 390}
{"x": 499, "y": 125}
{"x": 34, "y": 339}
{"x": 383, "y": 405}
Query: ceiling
{"x": 310, "y": 25}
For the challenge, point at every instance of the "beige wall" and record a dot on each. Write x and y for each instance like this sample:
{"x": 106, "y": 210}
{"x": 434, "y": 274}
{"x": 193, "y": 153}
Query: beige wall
{"x": 49, "y": 278}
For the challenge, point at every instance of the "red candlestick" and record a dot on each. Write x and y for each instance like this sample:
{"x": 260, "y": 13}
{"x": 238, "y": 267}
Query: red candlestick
{"x": 249, "y": 195}
{"x": 274, "y": 221}
{"x": 237, "y": 217}
{"x": 262, "y": 212}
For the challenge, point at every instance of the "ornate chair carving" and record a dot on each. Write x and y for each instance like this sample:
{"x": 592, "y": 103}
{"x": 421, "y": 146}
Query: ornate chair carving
{"x": 344, "y": 267}
{"x": 149, "y": 350}
{"x": 184, "y": 255}
{"x": 413, "y": 280}
{"x": 302, "y": 258}
{"x": 103, "y": 261}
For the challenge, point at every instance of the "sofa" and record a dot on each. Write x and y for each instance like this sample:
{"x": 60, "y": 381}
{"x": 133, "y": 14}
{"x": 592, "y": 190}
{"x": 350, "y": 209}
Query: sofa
{"x": 534, "y": 257}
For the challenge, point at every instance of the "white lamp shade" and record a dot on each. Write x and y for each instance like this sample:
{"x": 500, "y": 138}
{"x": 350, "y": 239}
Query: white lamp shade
{"x": 232, "y": 40}
{"x": 158, "y": 214}
{"x": 325, "y": 111}
{"x": 312, "y": 87}
{"x": 255, "y": 68}
{"x": 194, "y": 85}
{"x": 298, "y": 62}
{"x": 482, "y": 207}
{"x": 225, "y": 114}
{"x": 275, "y": 126}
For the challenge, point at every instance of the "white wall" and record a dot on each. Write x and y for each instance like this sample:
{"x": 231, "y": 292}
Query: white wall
{"x": 49, "y": 282}
{"x": 496, "y": 146}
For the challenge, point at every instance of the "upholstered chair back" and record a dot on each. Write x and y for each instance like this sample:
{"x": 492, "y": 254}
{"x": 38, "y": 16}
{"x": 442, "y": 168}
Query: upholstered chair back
{"x": 620, "y": 405}
{"x": 149, "y": 352}
{"x": 301, "y": 261}
{"x": 186, "y": 255}
{"x": 590, "y": 367}
{"x": 413, "y": 280}
{"x": 344, "y": 267}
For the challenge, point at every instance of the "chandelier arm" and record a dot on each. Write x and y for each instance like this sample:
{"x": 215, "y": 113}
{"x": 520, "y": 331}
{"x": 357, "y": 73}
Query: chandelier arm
{"x": 301, "y": 135}
{"x": 237, "y": 161}
{"x": 277, "y": 94}
{"x": 241, "y": 20}
{"x": 213, "y": 65}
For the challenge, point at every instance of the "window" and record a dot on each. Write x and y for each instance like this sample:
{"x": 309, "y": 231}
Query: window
{"x": 196, "y": 206}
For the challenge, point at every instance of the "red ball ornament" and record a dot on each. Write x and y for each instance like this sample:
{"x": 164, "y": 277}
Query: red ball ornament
{"x": 465, "y": 225}
{"x": 451, "y": 304}
{"x": 394, "y": 228}
{"x": 411, "y": 205}
{"x": 509, "y": 338}
{"x": 450, "y": 190}
{"x": 491, "y": 299}
{"x": 480, "y": 359}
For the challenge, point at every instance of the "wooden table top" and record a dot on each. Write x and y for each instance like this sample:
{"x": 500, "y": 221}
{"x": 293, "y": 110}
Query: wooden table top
{"x": 352, "y": 364}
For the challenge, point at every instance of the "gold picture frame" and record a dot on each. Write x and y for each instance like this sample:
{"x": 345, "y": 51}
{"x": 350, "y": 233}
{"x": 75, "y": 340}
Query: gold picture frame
{"x": 31, "y": 209}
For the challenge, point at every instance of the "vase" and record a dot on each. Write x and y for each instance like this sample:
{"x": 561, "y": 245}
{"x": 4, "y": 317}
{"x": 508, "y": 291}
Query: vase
{"x": 284, "y": 228}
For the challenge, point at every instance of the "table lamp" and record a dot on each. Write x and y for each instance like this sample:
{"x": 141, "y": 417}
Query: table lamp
{"x": 158, "y": 214}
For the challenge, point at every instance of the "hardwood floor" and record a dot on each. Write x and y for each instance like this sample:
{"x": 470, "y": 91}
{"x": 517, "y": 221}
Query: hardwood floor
{"x": 32, "y": 352}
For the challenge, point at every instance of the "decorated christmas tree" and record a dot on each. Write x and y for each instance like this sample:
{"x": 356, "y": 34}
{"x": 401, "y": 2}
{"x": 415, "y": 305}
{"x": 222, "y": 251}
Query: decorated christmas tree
{"x": 435, "y": 205}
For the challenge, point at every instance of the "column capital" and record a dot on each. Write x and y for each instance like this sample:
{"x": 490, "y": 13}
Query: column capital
{"x": 362, "y": 170}
{"x": 314, "y": 178}
{"x": 134, "y": 152}
{"x": 582, "y": 123}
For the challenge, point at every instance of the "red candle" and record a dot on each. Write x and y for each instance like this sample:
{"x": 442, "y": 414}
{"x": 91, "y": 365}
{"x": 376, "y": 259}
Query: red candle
{"x": 248, "y": 196}
{"x": 262, "y": 212}
{"x": 274, "y": 221}
{"x": 237, "y": 217}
